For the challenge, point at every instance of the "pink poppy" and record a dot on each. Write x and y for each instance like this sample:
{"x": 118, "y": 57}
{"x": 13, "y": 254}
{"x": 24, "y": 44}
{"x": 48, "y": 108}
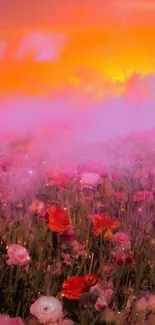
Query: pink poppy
{"x": 37, "y": 206}
{"x": 78, "y": 249}
{"x": 105, "y": 296}
{"x": 18, "y": 255}
{"x": 47, "y": 309}
{"x": 7, "y": 320}
{"x": 57, "y": 177}
{"x": 120, "y": 196}
{"x": 141, "y": 304}
{"x": 90, "y": 179}
{"x": 142, "y": 196}
{"x": 66, "y": 259}
{"x": 123, "y": 239}
{"x": 152, "y": 302}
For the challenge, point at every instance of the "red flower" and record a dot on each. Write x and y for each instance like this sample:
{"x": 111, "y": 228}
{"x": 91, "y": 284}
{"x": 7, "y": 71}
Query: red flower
{"x": 102, "y": 223}
{"x": 57, "y": 178}
{"x": 124, "y": 259}
{"x": 58, "y": 219}
{"x": 142, "y": 196}
{"x": 91, "y": 280}
{"x": 76, "y": 286}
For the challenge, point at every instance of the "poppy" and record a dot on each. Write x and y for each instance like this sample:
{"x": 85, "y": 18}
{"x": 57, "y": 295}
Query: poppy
{"x": 75, "y": 286}
{"x": 102, "y": 223}
{"x": 58, "y": 219}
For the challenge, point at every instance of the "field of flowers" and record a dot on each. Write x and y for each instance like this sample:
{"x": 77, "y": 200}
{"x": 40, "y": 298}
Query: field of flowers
{"x": 81, "y": 252}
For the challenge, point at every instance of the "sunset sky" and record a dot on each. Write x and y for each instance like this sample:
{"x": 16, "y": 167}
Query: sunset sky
{"x": 98, "y": 47}
{"x": 84, "y": 70}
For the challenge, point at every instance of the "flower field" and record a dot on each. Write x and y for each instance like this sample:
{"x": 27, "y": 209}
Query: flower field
{"x": 81, "y": 252}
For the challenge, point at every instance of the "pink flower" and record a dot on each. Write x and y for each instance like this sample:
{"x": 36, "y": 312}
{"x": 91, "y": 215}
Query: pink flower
{"x": 90, "y": 179}
{"x": 152, "y": 302}
{"x": 7, "y": 320}
{"x": 123, "y": 239}
{"x": 57, "y": 177}
{"x": 141, "y": 304}
{"x": 47, "y": 310}
{"x": 67, "y": 259}
{"x": 142, "y": 196}
{"x": 18, "y": 255}
{"x": 120, "y": 196}
{"x": 37, "y": 206}
{"x": 105, "y": 296}
{"x": 78, "y": 249}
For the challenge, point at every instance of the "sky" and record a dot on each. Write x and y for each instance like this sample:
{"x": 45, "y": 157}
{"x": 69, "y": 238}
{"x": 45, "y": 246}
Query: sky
{"x": 85, "y": 45}
{"x": 76, "y": 72}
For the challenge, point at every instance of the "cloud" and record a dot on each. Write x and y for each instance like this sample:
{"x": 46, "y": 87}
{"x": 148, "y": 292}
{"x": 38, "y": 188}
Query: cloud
{"x": 41, "y": 46}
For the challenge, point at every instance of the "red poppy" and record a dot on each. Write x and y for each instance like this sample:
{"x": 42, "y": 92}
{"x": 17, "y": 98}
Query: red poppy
{"x": 91, "y": 280}
{"x": 102, "y": 223}
{"x": 124, "y": 259}
{"x": 142, "y": 196}
{"x": 57, "y": 178}
{"x": 58, "y": 219}
{"x": 75, "y": 286}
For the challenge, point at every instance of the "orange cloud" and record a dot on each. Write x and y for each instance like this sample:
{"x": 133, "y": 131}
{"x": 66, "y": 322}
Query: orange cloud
{"x": 107, "y": 42}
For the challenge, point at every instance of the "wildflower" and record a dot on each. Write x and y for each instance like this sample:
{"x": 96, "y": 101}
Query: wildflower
{"x": 58, "y": 219}
{"x": 75, "y": 286}
{"x": 124, "y": 258}
{"x": 123, "y": 239}
{"x": 90, "y": 179}
{"x": 56, "y": 178}
{"x": 120, "y": 196}
{"x": 7, "y": 320}
{"x": 102, "y": 223}
{"x": 18, "y": 255}
{"x": 47, "y": 309}
{"x": 141, "y": 304}
{"x": 37, "y": 206}
{"x": 78, "y": 249}
{"x": 66, "y": 259}
{"x": 142, "y": 196}
{"x": 105, "y": 296}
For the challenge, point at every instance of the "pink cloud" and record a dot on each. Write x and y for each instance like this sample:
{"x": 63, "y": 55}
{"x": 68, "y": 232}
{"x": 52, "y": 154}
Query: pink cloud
{"x": 41, "y": 46}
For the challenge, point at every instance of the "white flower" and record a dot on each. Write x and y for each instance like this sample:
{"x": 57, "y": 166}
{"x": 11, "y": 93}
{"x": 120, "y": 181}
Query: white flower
{"x": 90, "y": 179}
{"x": 47, "y": 309}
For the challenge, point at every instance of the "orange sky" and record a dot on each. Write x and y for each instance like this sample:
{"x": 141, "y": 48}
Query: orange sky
{"x": 106, "y": 41}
